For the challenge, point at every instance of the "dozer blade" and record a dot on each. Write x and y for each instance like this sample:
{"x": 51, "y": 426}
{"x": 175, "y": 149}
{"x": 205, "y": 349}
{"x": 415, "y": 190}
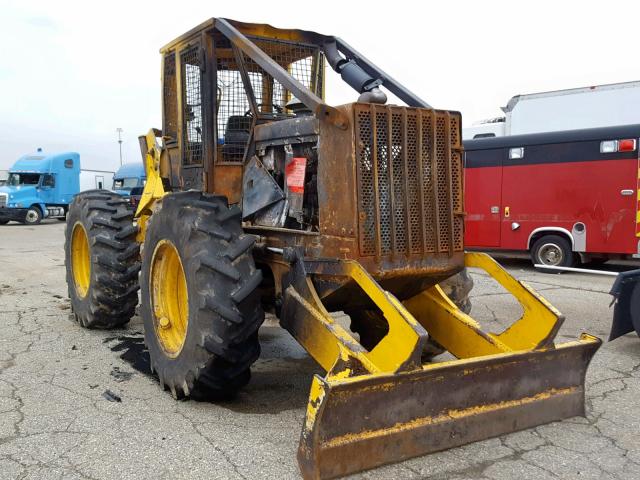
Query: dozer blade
{"x": 626, "y": 313}
{"x": 359, "y": 423}
{"x": 383, "y": 405}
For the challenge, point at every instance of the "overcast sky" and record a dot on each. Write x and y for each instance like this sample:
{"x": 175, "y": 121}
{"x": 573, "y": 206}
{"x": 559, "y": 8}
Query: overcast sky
{"x": 72, "y": 72}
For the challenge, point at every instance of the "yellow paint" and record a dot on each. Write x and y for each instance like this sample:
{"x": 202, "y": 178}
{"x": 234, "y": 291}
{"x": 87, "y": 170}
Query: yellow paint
{"x": 80, "y": 260}
{"x": 316, "y": 397}
{"x": 169, "y": 298}
{"x": 153, "y": 188}
{"x": 404, "y": 331}
{"x": 463, "y": 337}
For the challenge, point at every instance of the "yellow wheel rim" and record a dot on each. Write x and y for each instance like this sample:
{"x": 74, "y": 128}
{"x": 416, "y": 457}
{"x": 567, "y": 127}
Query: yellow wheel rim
{"x": 80, "y": 260}
{"x": 169, "y": 298}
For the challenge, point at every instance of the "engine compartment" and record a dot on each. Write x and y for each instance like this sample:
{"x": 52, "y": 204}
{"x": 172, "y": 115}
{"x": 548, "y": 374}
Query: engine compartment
{"x": 280, "y": 179}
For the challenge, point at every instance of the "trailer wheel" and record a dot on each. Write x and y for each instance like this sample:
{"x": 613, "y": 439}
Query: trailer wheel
{"x": 101, "y": 259}
{"x": 200, "y": 300}
{"x": 554, "y": 251}
{"x": 33, "y": 215}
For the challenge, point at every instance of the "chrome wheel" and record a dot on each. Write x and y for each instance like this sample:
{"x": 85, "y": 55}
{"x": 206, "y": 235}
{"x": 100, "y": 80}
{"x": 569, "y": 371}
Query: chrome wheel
{"x": 32, "y": 216}
{"x": 550, "y": 254}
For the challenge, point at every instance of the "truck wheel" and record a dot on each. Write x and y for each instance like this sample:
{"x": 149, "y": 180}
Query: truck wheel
{"x": 200, "y": 304}
{"x": 552, "y": 250}
{"x": 102, "y": 260}
{"x": 33, "y": 216}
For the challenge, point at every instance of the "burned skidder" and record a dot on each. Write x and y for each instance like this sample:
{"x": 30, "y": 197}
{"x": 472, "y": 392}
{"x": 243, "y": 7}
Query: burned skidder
{"x": 260, "y": 195}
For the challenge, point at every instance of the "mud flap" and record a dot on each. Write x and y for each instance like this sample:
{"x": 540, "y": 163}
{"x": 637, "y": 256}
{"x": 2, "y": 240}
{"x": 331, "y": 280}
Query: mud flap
{"x": 362, "y": 422}
{"x": 626, "y": 313}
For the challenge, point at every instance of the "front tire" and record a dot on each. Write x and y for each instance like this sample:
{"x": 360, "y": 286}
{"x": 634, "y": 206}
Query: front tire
{"x": 102, "y": 260}
{"x": 33, "y": 216}
{"x": 200, "y": 304}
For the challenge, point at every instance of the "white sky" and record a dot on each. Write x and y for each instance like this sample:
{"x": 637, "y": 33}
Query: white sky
{"x": 71, "y": 72}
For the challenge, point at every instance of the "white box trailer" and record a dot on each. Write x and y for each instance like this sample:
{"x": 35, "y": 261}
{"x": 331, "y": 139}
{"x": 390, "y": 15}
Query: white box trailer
{"x": 559, "y": 110}
{"x": 95, "y": 179}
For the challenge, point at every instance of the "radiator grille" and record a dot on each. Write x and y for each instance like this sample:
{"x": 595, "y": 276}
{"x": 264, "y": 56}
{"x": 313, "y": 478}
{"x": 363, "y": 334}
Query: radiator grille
{"x": 409, "y": 180}
{"x": 3, "y": 200}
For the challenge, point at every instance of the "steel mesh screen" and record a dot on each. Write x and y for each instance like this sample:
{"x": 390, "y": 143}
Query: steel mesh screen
{"x": 304, "y": 62}
{"x": 233, "y": 120}
{"x": 192, "y": 147}
{"x": 170, "y": 96}
{"x": 409, "y": 181}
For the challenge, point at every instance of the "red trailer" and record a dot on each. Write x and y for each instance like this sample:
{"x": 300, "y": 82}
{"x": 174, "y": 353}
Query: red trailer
{"x": 562, "y": 196}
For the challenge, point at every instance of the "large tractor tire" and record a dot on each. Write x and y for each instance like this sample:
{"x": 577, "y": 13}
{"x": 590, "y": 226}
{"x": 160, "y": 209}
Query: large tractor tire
{"x": 200, "y": 300}
{"x": 371, "y": 326}
{"x": 102, "y": 260}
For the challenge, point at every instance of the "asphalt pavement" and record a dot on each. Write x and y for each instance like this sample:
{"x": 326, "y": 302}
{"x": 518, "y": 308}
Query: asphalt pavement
{"x": 79, "y": 404}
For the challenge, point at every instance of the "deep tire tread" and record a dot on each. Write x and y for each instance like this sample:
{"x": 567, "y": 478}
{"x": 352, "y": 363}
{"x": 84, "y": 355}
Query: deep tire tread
{"x": 113, "y": 292}
{"x": 222, "y": 340}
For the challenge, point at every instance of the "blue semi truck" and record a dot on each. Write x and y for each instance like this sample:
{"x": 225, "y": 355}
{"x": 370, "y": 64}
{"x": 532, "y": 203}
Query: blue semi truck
{"x": 42, "y": 185}
{"x": 128, "y": 177}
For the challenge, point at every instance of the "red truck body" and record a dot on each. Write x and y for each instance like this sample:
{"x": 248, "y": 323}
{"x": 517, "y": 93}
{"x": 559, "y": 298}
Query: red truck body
{"x": 581, "y": 185}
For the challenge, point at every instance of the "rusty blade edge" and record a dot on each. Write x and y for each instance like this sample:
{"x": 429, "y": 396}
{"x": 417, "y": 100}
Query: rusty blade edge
{"x": 358, "y": 425}
{"x": 451, "y": 415}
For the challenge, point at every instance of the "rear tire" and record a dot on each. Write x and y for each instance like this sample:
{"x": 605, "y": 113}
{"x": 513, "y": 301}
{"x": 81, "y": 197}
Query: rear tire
{"x": 102, "y": 260}
{"x": 206, "y": 347}
{"x": 552, "y": 250}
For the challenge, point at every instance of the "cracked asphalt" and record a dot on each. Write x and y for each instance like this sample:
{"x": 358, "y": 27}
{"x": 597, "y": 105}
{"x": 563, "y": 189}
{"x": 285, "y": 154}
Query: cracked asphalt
{"x": 55, "y": 422}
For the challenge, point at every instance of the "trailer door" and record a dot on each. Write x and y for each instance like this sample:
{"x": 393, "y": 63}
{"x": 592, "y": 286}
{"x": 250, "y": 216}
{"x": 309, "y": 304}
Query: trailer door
{"x": 483, "y": 197}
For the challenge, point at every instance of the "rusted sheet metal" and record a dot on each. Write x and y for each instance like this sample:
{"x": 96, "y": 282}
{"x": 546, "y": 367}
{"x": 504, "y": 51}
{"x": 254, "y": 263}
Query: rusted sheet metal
{"x": 227, "y": 181}
{"x": 409, "y": 190}
{"x": 360, "y": 423}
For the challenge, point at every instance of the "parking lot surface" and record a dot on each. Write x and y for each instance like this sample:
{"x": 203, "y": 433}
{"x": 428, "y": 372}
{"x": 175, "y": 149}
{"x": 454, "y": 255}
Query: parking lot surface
{"x": 56, "y": 421}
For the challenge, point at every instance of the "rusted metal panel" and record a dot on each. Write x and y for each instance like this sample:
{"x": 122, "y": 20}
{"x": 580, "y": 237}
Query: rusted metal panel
{"x": 396, "y": 214}
{"x": 227, "y": 181}
{"x": 359, "y": 424}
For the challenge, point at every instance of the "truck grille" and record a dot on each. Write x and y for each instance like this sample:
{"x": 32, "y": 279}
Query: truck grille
{"x": 409, "y": 163}
{"x": 3, "y": 200}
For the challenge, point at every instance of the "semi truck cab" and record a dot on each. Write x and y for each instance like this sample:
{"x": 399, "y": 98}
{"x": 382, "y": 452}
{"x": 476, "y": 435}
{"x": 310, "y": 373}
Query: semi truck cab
{"x": 39, "y": 186}
{"x": 128, "y": 177}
